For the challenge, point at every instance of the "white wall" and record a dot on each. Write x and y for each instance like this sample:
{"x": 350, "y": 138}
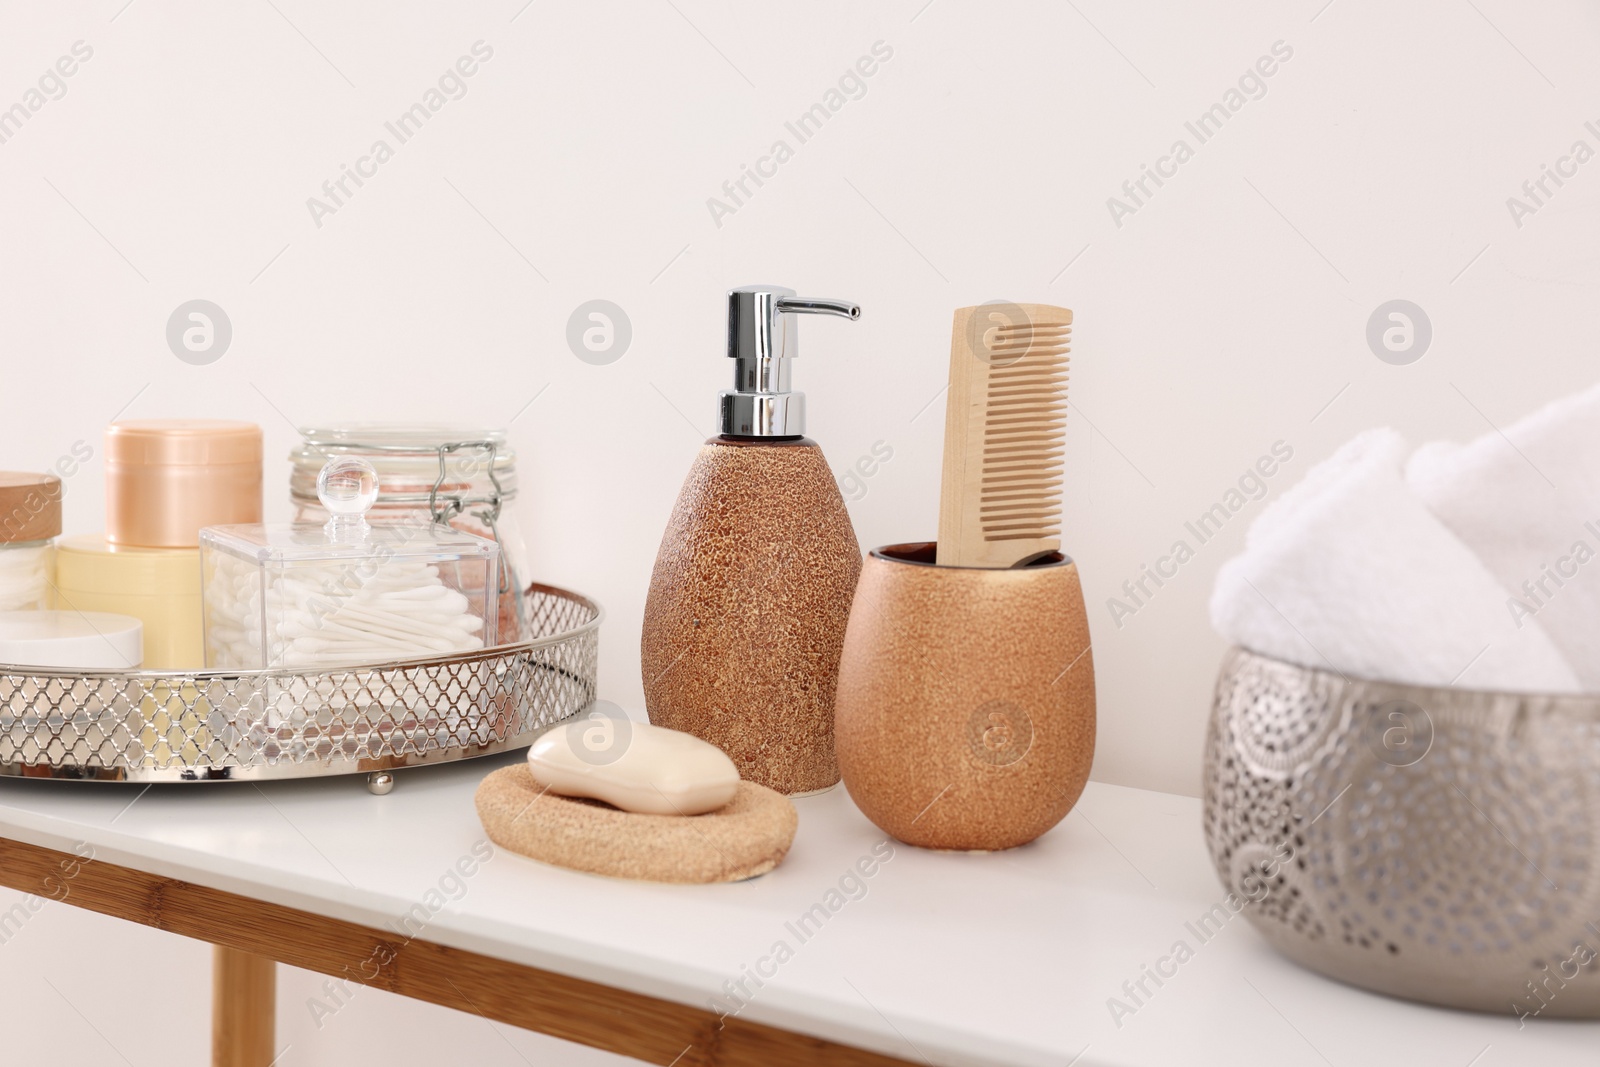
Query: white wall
{"x": 1227, "y": 313}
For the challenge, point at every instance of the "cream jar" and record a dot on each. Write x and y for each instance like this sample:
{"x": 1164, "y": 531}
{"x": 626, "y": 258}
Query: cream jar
{"x": 30, "y": 521}
{"x": 158, "y": 586}
{"x": 71, "y": 640}
{"x": 166, "y": 478}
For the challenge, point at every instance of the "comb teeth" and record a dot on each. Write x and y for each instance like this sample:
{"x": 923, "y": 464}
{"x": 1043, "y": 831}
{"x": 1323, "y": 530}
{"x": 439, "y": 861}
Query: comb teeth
{"x": 1005, "y": 428}
{"x": 1024, "y": 428}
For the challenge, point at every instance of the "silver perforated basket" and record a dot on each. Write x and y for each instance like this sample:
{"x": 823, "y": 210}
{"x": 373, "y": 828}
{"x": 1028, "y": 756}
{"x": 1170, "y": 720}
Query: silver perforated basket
{"x": 1432, "y": 843}
{"x": 202, "y": 726}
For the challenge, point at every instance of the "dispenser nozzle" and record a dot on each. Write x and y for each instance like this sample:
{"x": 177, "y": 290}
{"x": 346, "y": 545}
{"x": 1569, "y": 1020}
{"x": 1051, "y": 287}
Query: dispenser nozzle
{"x": 762, "y": 338}
{"x": 819, "y": 305}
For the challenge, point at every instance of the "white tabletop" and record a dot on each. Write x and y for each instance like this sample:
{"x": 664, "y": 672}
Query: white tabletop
{"x": 1008, "y": 958}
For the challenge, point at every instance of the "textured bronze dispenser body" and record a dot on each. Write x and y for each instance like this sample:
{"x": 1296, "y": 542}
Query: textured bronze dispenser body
{"x": 744, "y": 624}
{"x": 745, "y": 620}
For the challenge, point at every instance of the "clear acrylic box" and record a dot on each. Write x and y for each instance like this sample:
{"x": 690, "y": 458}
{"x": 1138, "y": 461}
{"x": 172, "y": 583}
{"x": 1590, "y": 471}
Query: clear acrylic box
{"x": 345, "y": 593}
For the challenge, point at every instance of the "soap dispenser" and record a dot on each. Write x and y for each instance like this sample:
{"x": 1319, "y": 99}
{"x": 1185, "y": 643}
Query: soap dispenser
{"x": 745, "y": 620}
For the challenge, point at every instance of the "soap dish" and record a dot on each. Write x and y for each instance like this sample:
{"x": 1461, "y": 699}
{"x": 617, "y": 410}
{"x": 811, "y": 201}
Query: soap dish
{"x": 746, "y": 838}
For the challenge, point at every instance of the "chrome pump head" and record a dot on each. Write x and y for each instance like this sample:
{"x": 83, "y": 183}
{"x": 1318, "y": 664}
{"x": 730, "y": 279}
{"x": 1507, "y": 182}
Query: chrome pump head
{"x": 763, "y": 337}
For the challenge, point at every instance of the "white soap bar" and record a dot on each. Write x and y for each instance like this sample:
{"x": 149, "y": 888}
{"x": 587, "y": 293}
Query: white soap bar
{"x": 633, "y": 766}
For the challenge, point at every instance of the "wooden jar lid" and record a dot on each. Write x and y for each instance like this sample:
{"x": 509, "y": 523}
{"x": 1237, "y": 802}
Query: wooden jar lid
{"x": 30, "y": 507}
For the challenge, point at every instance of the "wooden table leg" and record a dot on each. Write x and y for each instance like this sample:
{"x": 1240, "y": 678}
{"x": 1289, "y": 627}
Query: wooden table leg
{"x": 244, "y": 1001}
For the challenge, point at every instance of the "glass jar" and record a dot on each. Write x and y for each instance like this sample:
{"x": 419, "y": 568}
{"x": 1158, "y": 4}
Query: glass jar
{"x": 462, "y": 476}
{"x": 30, "y": 521}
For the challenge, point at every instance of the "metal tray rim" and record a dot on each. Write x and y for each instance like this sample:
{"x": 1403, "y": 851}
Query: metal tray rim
{"x": 22, "y": 669}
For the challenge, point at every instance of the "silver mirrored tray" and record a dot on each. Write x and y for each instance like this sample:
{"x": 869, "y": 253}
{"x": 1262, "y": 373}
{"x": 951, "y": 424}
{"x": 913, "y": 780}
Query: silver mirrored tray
{"x": 209, "y": 726}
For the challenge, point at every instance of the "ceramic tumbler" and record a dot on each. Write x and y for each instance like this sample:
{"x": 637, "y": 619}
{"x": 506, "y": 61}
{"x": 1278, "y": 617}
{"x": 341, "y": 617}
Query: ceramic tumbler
{"x": 965, "y": 709}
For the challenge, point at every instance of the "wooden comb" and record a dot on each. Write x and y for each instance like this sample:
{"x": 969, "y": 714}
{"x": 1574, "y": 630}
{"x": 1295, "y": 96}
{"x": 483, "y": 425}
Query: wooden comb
{"x": 1005, "y": 420}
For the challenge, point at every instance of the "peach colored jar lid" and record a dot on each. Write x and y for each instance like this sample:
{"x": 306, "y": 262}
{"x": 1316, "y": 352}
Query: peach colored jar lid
{"x": 168, "y": 478}
{"x": 183, "y": 443}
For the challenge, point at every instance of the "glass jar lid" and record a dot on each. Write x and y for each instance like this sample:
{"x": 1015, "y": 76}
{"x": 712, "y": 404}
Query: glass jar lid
{"x": 438, "y": 469}
{"x": 448, "y": 468}
{"x": 347, "y": 487}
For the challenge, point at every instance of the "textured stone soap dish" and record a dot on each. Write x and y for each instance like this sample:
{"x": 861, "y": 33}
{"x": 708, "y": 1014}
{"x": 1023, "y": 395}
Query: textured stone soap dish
{"x": 749, "y": 836}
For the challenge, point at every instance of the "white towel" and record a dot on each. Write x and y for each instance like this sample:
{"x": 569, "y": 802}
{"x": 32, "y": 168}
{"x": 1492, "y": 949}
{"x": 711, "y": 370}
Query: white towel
{"x": 1528, "y": 504}
{"x": 1349, "y": 571}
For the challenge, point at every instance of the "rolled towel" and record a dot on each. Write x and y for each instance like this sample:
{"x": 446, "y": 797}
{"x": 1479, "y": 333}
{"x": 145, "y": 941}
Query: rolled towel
{"x": 1349, "y": 571}
{"x": 1528, "y": 504}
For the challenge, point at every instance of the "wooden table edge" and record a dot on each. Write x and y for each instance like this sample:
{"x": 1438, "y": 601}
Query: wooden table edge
{"x": 590, "y": 1013}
